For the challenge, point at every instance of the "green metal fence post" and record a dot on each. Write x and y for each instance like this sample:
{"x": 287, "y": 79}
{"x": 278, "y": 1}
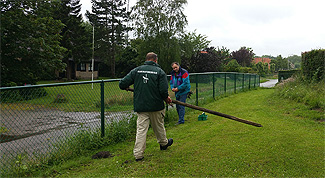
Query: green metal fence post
{"x": 254, "y": 81}
{"x": 102, "y": 109}
{"x": 197, "y": 91}
{"x": 213, "y": 80}
{"x": 243, "y": 82}
{"x": 249, "y": 81}
{"x": 225, "y": 85}
{"x": 166, "y": 105}
{"x": 235, "y": 83}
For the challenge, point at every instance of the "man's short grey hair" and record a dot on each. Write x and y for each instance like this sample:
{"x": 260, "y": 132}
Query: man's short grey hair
{"x": 151, "y": 56}
{"x": 175, "y": 63}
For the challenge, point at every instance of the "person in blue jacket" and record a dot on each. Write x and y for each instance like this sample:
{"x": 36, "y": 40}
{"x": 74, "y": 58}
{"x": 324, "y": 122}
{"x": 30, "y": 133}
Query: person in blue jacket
{"x": 180, "y": 84}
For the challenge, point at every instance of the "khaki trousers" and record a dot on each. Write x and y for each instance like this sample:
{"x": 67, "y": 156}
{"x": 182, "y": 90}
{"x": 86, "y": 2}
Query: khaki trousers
{"x": 157, "y": 123}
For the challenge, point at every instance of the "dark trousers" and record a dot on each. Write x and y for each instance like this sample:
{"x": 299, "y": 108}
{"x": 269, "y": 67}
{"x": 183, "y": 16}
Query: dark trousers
{"x": 180, "y": 108}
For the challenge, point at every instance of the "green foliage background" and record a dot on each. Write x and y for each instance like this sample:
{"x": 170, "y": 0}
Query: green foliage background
{"x": 313, "y": 64}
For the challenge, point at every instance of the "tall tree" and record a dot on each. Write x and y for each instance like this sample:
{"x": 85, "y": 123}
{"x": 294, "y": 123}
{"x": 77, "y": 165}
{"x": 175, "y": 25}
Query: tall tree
{"x": 159, "y": 24}
{"x": 244, "y": 56}
{"x": 209, "y": 59}
{"x": 295, "y": 59}
{"x": 191, "y": 43}
{"x": 30, "y": 47}
{"x": 75, "y": 38}
{"x": 272, "y": 68}
{"x": 223, "y": 55}
{"x": 126, "y": 61}
{"x": 282, "y": 63}
{"x": 204, "y": 61}
{"x": 261, "y": 70}
{"x": 109, "y": 18}
{"x": 267, "y": 56}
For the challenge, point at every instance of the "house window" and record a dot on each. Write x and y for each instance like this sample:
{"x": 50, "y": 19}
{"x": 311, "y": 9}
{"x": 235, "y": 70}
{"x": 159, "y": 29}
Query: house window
{"x": 82, "y": 67}
{"x": 90, "y": 67}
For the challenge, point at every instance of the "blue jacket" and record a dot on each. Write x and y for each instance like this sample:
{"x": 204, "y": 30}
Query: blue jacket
{"x": 180, "y": 81}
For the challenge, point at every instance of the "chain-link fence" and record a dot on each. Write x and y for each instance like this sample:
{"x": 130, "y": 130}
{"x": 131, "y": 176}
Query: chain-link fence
{"x": 36, "y": 120}
{"x": 207, "y": 86}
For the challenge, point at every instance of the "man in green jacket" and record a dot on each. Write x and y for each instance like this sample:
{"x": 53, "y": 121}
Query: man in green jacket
{"x": 150, "y": 92}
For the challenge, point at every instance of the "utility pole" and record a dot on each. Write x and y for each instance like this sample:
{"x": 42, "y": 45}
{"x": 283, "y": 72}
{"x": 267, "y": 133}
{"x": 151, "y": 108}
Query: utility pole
{"x": 92, "y": 60}
{"x": 127, "y": 23}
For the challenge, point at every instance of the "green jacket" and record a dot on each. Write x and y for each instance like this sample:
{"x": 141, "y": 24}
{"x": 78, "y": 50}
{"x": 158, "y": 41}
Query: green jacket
{"x": 150, "y": 87}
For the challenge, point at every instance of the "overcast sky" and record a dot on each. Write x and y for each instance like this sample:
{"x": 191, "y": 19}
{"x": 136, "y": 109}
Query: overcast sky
{"x": 269, "y": 27}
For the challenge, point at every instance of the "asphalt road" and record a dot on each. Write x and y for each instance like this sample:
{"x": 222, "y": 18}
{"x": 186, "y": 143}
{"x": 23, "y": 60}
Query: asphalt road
{"x": 269, "y": 84}
{"x": 36, "y": 132}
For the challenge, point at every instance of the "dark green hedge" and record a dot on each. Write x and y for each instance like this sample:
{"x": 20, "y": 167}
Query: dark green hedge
{"x": 285, "y": 74}
{"x": 21, "y": 94}
{"x": 313, "y": 64}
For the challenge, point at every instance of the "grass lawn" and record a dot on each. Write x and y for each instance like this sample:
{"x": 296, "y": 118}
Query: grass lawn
{"x": 85, "y": 97}
{"x": 79, "y": 97}
{"x": 289, "y": 144}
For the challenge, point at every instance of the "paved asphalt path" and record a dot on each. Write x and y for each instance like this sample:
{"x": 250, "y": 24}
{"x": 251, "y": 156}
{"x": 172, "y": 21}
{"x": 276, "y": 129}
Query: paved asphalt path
{"x": 39, "y": 131}
{"x": 269, "y": 84}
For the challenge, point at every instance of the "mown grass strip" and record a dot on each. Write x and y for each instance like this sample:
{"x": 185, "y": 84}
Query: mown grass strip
{"x": 288, "y": 145}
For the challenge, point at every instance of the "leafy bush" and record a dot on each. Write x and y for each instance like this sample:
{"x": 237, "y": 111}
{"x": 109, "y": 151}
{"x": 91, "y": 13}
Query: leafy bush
{"x": 262, "y": 69}
{"x": 246, "y": 70}
{"x": 232, "y": 66}
{"x": 22, "y": 94}
{"x": 32, "y": 93}
{"x": 313, "y": 65}
{"x": 10, "y": 96}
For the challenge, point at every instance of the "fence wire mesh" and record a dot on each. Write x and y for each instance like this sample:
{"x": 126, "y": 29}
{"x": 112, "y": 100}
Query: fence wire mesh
{"x": 208, "y": 86}
{"x": 37, "y": 120}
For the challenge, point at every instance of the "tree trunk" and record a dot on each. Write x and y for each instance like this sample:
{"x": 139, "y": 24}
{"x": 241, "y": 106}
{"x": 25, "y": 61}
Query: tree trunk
{"x": 68, "y": 72}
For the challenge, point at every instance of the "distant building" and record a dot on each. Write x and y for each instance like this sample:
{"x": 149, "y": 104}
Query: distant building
{"x": 263, "y": 60}
{"x": 81, "y": 70}
{"x": 84, "y": 70}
